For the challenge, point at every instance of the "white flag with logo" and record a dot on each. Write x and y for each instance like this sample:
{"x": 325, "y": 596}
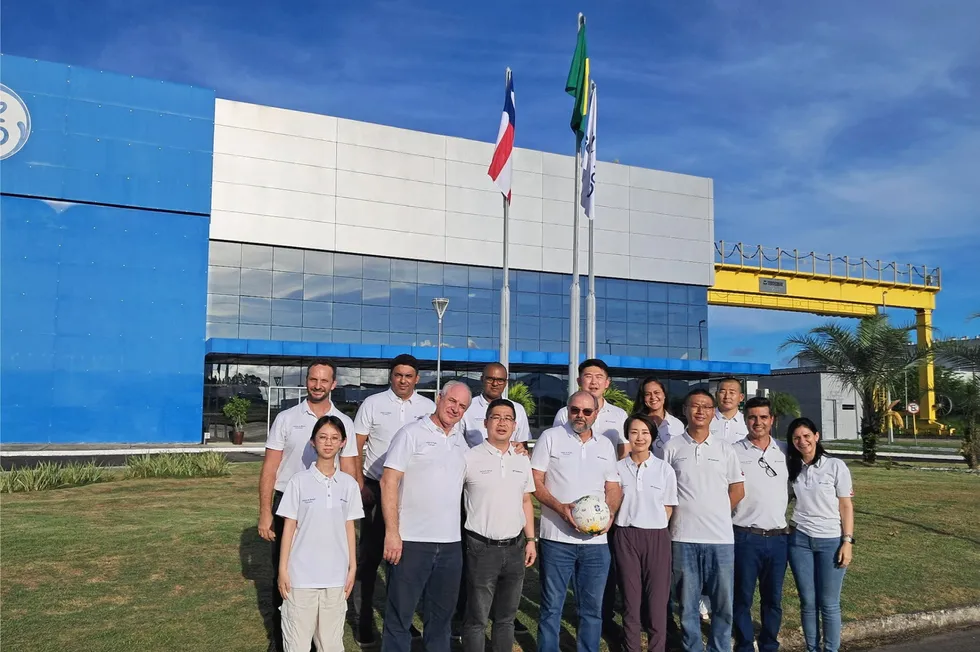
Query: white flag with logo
{"x": 588, "y": 161}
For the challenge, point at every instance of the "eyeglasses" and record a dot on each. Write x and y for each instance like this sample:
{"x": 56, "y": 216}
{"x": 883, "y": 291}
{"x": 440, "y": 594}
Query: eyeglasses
{"x": 499, "y": 417}
{"x": 494, "y": 381}
{"x": 585, "y": 412}
{"x": 771, "y": 472}
{"x": 699, "y": 407}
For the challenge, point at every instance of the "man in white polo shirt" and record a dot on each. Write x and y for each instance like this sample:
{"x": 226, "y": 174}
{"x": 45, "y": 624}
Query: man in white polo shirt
{"x": 378, "y": 419}
{"x": 287, "y": 452}
{"x": 728, "y": 423}
{"x": 569, "y": 461}
{"x": 709, "y": 486}
{"x": 593, "y": 377}
{"x": 494, "y": 380}
{"x": 761, "y": 535}
{"x": 499, "y": 531}
{"x": 420, "y": 494}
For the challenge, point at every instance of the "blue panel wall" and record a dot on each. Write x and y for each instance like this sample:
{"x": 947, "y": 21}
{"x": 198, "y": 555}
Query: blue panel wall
{"x": 103, "y": 258}
{"x": 111, "y": 139}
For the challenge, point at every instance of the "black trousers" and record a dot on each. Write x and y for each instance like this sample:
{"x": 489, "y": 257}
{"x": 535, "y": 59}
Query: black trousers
{"x": 371, "y": 551}
{"x": 495, "y": 580}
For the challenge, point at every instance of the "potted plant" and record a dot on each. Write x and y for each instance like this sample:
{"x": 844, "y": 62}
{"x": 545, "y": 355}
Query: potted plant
{"x": 236, "y": 409}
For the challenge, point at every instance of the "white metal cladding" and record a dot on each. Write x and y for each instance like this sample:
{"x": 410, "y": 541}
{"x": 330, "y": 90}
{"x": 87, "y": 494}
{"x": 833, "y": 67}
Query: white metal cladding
{"x": 313, "y": 181}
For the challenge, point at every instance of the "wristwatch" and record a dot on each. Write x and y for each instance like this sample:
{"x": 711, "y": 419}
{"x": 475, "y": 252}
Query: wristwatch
{"x": 848, "y": 538}
{"x": 532, "y": 539}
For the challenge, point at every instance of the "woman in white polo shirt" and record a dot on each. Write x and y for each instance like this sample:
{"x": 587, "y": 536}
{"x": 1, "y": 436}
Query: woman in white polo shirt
{"x": 317, "y": 564}
{"x": 820, "y": 545}
{"x": 651, "y": 402}
{"x": 641, "y": 539}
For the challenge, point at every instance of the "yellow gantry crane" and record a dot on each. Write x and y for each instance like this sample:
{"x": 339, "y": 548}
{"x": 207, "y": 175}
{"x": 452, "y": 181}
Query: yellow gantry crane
{"x": 825, "y": 284}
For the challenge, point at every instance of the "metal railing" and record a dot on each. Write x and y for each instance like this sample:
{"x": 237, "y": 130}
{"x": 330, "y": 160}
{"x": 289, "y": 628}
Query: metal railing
{"x": 826, "y": 265}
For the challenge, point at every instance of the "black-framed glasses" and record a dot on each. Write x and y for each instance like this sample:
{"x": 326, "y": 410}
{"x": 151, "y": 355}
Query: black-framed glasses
{"x": 494, "y": 381}
{"x": 771, "y": 472}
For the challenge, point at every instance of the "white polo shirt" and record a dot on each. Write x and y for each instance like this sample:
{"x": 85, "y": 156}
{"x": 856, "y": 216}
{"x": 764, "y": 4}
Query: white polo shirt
{"x": 647, "y": 489}
{"x": 669, "y": 428}
{"x": 291, "y": 432}
{"x": 704, "y": 471}
{"x": 818, "y": 489}
{"x": 476, "y": 413}
{"x": 766, "y": 496}
{"x": 572, "y": 470}
{"x": 434, "y": 465}
{"x": 493, "y": 491}
{"x": 730, "y": 430}
{"x": 321, "y": 506}
{"x": 609, "y": 423}
{"x": 380, "y": 417}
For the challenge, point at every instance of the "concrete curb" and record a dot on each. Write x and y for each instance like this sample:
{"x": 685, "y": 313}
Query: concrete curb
{"x": 856, "y": 635}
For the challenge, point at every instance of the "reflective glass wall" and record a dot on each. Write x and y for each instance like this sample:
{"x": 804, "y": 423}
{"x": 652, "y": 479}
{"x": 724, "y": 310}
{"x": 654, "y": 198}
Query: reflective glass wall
{"x": 265, "y": 292}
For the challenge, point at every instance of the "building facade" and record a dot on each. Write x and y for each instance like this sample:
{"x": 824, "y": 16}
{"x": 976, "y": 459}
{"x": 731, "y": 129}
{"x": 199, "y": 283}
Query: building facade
{"x": 191, "y": 246}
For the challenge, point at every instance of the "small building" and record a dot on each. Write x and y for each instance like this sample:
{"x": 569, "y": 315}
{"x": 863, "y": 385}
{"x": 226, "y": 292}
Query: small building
{"x": 835, "y": 409}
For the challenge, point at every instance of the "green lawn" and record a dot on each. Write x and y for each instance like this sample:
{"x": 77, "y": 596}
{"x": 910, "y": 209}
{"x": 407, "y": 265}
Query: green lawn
{"x": 178, "y": 565}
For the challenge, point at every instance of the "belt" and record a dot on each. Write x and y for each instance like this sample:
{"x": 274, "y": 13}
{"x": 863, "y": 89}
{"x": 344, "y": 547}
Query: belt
{"x": 763, "y": 533}
{"x": 499, "y": 543}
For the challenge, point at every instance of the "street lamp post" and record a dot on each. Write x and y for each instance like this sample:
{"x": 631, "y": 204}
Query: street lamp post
{"x": 440, "y": 304}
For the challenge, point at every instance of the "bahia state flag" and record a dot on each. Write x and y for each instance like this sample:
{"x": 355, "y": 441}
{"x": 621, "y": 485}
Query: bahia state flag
{"x": 501, "y": 169}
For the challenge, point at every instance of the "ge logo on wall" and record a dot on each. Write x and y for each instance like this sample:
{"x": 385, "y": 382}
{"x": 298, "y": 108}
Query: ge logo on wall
{"x": 15, "y": 123}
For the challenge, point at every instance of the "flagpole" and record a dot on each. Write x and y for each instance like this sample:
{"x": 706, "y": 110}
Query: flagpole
{"x": 590, "y": 302}
{"x": 574, "y": 317}
{"x": 505, "y": 289}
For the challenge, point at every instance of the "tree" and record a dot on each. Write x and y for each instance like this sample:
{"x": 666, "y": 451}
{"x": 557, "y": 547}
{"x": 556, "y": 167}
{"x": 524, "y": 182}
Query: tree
{"x": 619, "y": 398}
{"x": 967, "y": 400}
{"x": 866, "y": 359}
{"x": 520, "y": 393}
{"x": 784, "y": 404}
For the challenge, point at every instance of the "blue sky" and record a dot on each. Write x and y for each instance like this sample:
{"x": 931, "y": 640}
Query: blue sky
{"x": 845, "y": 127}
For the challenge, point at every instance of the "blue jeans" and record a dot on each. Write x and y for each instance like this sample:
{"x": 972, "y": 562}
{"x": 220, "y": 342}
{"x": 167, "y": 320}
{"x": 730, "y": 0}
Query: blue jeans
{"x": 429, "y": 571}
{"x": 763, "y": 560}
{"x": 587, "y": 567}
{"x": 707, "y": 568}
{"x": 818, "y": 581}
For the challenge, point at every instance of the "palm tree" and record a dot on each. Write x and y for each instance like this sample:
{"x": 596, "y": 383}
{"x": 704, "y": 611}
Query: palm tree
{"x": 866, "y": 359}
{"x": 619, "y": 398}
{"x": 520, "y": 393}
{"x": 964, "y": 356}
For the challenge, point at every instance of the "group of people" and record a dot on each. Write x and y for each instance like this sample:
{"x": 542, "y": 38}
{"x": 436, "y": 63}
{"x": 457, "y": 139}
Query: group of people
{"x": 697, "y": 516}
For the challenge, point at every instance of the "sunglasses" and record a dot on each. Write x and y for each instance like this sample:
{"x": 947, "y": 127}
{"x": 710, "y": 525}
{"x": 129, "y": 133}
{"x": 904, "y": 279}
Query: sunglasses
{"x": 586, "y": 412}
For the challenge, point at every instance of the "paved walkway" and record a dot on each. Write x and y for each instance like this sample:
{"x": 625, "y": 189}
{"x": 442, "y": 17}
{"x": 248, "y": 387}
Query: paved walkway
{"x": 963, "y": 640}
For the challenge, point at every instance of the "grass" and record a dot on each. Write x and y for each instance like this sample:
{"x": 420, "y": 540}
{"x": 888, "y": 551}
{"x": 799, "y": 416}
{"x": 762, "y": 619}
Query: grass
{"x": 902, "y": 445}
{"x": 177, "y": 564}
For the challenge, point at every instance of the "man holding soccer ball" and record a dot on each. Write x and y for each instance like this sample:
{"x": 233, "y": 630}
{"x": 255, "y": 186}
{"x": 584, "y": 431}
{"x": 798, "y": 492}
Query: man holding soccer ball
{"x": 577, "y": 484}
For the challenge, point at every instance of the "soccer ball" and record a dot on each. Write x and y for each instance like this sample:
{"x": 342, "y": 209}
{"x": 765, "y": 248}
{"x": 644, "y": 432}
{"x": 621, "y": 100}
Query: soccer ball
{"x": 591, "y": 514}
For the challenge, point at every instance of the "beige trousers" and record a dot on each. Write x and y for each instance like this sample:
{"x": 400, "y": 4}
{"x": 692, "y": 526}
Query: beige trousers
{"x": 314, "y": 614}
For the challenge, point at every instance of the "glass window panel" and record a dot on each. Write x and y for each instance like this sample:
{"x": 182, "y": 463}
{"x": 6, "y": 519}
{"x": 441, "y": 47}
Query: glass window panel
{"x": 255, "y": 310}
{"x": 657, "y": 335}
{"x": 346, "y": 290}
{"x": 317, "y": 314}
{"x": 374, "y": 337}
{"x": 405, "y": 271}
{"x": 636, "y": 312}
{"x": 527, "y": 327}
{"x": 227, "y": 254}
{"x": 695, "y": 338}
{"x": 426, "y": 293}
{"x": 486, "y": 343}
{"x": 254, "y": 332}
{"x": 636, "y": 291}
{"x": 378, "y": 269}
{"x": 528, "y": 281}
{"x": 318, "y": 262}
{"x": 616, "y": 332}
{"x": 224, "y": 280}
{"x": 498, "y": 276}
{"x": 551, "y": 346}
{"x": 375, "y": 293}
{"x": 480, "y": 325}
{"x": 657, "y": 313}
{"x": 222, "y": 330}
{"x": 428, "y": 323}
{"x": 658, "y": 351}
{"x": 293, "y": 375}
{"x": 697, "y": 313}
{"x": 637, "y": 350}
{"x": 697, "y": 295}
{"x": 528, "y": 304}
{"x": 430, "y": 273}
{"x": 256, "y": 283}
{"x": 374, "y": 318}
{"x": 317, "y": 335}
{"x": 285, "y": 259}
{"x": 657, "y": 292}
{"x": 615, "y": 288}
{"x": 481, "y": 277}
{"x": 458, "y": 299}
{"x": 402, "y": 339}
{"x": 456, "y": 275}
{"x": 553, "y": 284}
{"x": 677, "y": 293}
{"x": 616, "y": 311}
{"x": 483, "y": 301}
{"x": 403, "y": 320}
{"x": 677, "y": 337}
{"x": 636, "y": 333}
{"x": 287, "y": 285}
{"x": 256, "y": 256}
{"x": 403, "y": 294}
{"x": 223, "y": 308}
{"x": 287, "y": 312}
{"x": 347, "y": 337}
{"x": 454, "y": 323}
{"x": 677, "y": 314}
{"x": 346, "y": 317}
{"x": 453, "y": 342}
{"x": 552, "y": 328}
{"x": 317, "y": 288}
{"x": 348, "y": 265}
{"x": 551, "y": 304}
{"x": 287, "y": 333}
{"x": 679, "y": 353}
{"x": 525, "y": 345}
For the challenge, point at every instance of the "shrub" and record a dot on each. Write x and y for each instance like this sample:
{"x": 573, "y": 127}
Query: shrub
{"x": 177, "y": 465}
{"x": 50, "y": 475}
{"x": 521, "y": 393}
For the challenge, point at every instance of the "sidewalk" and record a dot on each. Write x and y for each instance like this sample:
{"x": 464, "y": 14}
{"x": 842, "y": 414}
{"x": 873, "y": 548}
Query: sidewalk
{"x": 111, "y": 449}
